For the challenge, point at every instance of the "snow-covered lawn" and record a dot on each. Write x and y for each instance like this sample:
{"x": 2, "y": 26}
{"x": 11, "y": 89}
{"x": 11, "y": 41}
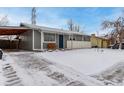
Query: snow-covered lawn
{"x": 86, "y": 61}
{"x": 70, "y": 67}
{"x": 1, "y": 76}
{"x": 30, "y": 69}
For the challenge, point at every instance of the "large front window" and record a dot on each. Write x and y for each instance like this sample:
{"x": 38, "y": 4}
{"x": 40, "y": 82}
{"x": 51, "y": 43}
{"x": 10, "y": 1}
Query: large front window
{"x": 49, "y": 37}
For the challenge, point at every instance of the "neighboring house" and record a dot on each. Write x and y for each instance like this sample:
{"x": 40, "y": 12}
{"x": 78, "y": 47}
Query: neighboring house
{"x": 41, "y": 38}
{"x": 99, "y": 41}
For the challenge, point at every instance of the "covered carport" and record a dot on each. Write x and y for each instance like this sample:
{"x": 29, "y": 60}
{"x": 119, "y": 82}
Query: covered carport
{"x": 12, "y": 34}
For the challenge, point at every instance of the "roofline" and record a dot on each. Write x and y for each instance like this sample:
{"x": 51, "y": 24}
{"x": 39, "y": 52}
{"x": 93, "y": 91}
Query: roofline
{"x": 101, "y": 38}
{"x": 44, "y": 27}
{"x": 54, "y": 30}
{"x": 13, "y": 27}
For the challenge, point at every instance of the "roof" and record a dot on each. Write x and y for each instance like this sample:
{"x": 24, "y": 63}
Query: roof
{"x": 48, "y": 29}
{"x": 102, "y": 38}
{"x": 12, "y": 30}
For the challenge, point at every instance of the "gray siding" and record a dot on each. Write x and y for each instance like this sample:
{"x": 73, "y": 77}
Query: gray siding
{"x": 37, "y": 40}
{"x": 26, "y": 42}
{"x": 57, "y": 41}
{"x": 45, "y": 45}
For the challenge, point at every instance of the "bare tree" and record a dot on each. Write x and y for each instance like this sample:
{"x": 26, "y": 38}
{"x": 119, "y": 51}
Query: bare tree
{"x": 117, "y": 25}
{"x": 33, "y": 19}
{"x": 78, "y": 28}
{"x": 4, "y": 21}
{"x": 72, "y": 26}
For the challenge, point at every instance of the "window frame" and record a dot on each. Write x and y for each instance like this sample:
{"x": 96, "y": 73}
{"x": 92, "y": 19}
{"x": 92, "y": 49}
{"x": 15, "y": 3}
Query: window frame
{"x": 49, "y": 41}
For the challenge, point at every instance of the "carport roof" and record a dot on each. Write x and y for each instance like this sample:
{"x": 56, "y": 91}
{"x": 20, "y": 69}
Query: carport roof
{"x": 12, "y": 30}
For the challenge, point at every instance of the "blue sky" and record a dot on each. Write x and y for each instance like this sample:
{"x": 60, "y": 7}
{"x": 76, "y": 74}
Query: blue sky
{"x": 89, "y": 19}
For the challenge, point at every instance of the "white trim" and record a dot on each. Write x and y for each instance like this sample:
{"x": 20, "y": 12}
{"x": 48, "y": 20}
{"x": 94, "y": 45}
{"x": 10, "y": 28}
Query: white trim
{"x": 42, "y": 39}
{"x": 33, "y": 40}
{"x": 49, "y": 41}
{"x": 38, "y": 49}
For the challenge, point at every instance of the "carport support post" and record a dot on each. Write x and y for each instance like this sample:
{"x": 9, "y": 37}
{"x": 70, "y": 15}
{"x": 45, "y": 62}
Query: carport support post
{"x": 42, "y": 40}
{"x": 33, "y": 39}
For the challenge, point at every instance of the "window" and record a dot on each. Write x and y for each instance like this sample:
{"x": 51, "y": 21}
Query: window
{"x": 78, "y": 37}
{"x": 49, "y": 37}
{"x": 86, "y": 38}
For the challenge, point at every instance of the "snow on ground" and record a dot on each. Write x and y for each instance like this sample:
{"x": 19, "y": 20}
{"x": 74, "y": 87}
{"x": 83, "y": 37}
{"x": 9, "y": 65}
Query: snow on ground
{"x": 69, "y": 68}
{"x": 33, "y": 70}
{"x": 9, "y": 73}
{"x": 1, "y": 74}
{"x": 86, "y": 61}
{"x": 113, "y": 75}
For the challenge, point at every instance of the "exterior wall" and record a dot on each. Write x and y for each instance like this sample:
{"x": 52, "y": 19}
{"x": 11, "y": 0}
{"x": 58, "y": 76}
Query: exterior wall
{"x": 105, "y": 44}
{"x": 27, "y": 39}
{"x": 77, "y": 41}
{"x": 78, "y": 44}
{"x": 96, "y": 42}
{"x": 101, "y": 43}
{"x": 45, "y": 45}
{"x": 37, "y": 40}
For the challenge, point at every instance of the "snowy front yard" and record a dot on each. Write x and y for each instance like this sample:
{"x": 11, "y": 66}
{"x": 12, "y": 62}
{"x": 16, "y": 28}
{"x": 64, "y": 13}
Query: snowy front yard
{"x": 106, "y": 65}
{"x": 31, "y": 69}
{"x": 86, "y": 61}
{"x": 68, "y": 68}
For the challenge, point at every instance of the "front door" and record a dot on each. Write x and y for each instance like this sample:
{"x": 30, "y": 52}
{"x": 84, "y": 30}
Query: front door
{"x": 60, "y": 41}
